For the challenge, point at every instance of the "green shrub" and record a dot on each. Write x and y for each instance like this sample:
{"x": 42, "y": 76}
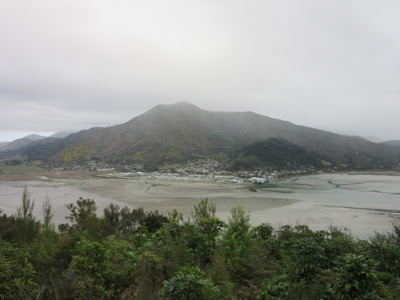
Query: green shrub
{"x": 16, "y": 274}
{"x": 189, "y": 283}
{"x": 357, "y": 278}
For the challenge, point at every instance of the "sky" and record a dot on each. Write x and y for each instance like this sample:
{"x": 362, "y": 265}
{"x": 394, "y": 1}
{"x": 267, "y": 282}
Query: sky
{"x": 69, "y": 65}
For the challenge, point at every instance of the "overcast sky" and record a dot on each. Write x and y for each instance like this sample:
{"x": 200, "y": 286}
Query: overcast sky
{"x": 70, "y": 65}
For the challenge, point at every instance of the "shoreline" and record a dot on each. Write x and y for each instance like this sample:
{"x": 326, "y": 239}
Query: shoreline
{"x": 364, "y": 203}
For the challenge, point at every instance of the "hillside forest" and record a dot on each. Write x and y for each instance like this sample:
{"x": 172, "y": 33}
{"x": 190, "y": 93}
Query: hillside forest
{"x": 180, "y": 133}
{"x": 133, "y": 254}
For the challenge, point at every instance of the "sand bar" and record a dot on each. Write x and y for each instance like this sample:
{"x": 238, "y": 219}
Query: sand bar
{"x": 362, "y": 203}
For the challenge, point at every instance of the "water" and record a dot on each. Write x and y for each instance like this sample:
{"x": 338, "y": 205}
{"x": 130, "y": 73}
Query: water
{"x": 362, "y": 203}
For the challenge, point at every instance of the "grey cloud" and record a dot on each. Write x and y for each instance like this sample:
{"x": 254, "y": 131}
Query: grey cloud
{"x": 330, "y": 65}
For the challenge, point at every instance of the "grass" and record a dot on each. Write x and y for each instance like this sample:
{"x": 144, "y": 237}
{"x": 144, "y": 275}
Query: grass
{"x": 33, "y": 167}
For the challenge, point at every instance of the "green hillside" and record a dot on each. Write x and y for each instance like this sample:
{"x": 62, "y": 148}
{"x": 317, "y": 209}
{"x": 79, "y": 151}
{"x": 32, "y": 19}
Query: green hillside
{"x": 275, "y": 153}
{"x": 178, "y": 132}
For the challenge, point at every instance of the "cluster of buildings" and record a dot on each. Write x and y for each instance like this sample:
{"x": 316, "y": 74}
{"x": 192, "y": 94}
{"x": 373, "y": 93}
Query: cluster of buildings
{"x": 201, "y": 170}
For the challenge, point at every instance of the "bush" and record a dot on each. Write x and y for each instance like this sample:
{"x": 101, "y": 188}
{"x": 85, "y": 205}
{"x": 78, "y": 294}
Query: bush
{"x": 189, "y": 283}
{"x": 308, "y": 257}
{"x": 357, "y": 278}
{"x": 16, "y": 274}
{"x": 236, "y": 239}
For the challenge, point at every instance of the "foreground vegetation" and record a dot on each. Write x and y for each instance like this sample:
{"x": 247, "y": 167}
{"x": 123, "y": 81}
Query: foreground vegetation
{"x": 133, "y": 254}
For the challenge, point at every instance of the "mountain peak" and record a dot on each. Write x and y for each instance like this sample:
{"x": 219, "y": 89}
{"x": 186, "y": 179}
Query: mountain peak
{"x": 170, "y": 110}
{"x": 181, "y": 106}
{"x": 62, "y": 134}
{"x": 186, "y": 131}
{"x": 34, "y": 137}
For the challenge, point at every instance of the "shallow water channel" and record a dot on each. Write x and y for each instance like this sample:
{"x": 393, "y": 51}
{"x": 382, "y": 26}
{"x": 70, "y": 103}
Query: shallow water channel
{"x": 362, "y": 203}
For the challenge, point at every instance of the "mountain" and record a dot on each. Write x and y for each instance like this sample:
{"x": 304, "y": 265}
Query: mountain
{"x": 183, "y": 131}
{"x": 19, "y": 143}
{"x": 2, "y": 144}
{"x": 374, "y": 139}
{"x": 17, "y": 148}
{"x": 35, "y": 137}
{"x": 276, "y": 153}
{"x": 395, "y": 143}
{"x": 62, "y": 134}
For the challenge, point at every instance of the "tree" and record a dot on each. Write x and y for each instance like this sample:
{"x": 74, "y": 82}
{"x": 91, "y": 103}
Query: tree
{"x": 263, "y": 231}
{"x": 236, "y": 240}
{"x": 357, "y": 278}
{"x": 203, "y": 234}
{"x": 189, "y": 283}
{"x": 246, "y": 162}
{"x": 83, "y": 216}
{"x": 202, "y": 239}
{"x": 131, "y": 220}
{"x": 17, "y": 274}
{"x": 27, "y": 225}
{"x": 149, "y": 275}
{"x": 77, "y": 153}
{"x": 47, "y": 211}
{"x": 90, "y": 261}
{"x": 111, "y": 220}
{"x": 308, "y": 256}
{"x": 154, "y": 221}
{"x": 204, "y": 209}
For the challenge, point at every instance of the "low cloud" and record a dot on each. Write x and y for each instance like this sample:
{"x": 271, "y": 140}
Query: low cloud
{"x": 74, "y": 64}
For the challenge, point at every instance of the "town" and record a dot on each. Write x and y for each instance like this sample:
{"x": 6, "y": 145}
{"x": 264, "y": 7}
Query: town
{"x": 207, "y": 170}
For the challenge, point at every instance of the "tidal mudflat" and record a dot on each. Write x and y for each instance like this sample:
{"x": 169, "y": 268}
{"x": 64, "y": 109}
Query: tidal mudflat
{"x": 362, "y": 203}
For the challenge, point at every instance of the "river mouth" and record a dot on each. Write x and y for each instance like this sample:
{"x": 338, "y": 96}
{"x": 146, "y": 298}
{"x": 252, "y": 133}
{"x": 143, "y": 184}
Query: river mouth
{"x": 362, "y": 203}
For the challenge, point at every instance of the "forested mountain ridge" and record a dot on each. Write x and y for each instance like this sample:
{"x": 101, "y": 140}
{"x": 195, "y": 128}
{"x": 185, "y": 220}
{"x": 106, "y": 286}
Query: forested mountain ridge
{"x": 38, "y": 149}
{"x": 395, "y": 143}
{"x": 182, "y": 131}
{"x": 19, "y": 143}
{"x": 276, "y": 153}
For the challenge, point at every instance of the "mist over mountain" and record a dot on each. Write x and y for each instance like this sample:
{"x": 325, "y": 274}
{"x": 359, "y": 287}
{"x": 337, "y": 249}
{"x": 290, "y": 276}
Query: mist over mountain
{"x": 182, "y": 131}
{"x": 39, "y": 144}
{"x": 34, "y": 137}
{"x": 17, "y": 148}
{"x": 61, "y": 135}
{"x": 19, "y": 143}
{"x": 395, "y": 143}
{"x": 374, "y": 139}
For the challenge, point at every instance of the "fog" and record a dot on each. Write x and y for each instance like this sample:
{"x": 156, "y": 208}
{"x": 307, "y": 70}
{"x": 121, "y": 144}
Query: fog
{"x": 71, "y": 65}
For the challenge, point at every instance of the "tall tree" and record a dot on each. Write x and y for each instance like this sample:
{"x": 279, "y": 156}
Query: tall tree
{"x": 27, "y": 225}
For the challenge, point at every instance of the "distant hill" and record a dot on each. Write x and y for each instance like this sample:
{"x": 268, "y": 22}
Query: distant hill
{"x": 374, "y": 139}
{"x": 17, "y": 148}
{"x": 39, "y": 147}
{"x": 360, "y": 138}
{"x": 19, "y": 143}
{"x": 35, "y": 137}
{"x": 61, "y": 135}
{"x": 2, "y": 144}
{"x": 170, "y": 133}
{"x": 395, "y": 143}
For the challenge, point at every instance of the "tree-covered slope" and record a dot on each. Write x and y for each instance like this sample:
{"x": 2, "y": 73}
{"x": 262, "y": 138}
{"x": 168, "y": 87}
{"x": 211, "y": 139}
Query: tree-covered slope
{"x": 395, "y": 143}
{"x": 183, "y": 131}
{"x": 275, "y": 153}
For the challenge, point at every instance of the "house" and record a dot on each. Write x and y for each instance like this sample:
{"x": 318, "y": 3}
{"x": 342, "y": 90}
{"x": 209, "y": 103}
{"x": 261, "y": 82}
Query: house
{"x": 256, "y": 180}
